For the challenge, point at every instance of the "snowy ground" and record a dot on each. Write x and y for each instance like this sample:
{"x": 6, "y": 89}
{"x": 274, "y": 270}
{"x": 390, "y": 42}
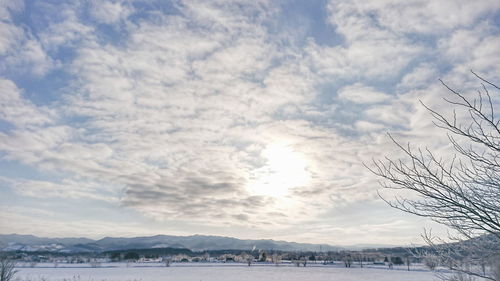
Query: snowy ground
{"x": 215, "y": 271}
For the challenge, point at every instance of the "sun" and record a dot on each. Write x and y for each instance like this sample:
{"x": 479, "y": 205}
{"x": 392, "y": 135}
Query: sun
{"x": 285, "y": 169}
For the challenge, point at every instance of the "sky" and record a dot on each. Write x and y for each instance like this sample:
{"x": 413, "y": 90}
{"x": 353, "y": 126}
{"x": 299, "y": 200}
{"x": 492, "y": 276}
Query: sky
{"x": 249, "y": 119}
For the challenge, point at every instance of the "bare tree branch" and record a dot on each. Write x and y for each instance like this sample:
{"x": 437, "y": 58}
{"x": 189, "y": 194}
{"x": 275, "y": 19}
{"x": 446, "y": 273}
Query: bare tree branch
{"x": 461, "y": 192}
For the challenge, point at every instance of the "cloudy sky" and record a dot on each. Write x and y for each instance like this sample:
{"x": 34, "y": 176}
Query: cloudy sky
{"x": 249, "y": 119}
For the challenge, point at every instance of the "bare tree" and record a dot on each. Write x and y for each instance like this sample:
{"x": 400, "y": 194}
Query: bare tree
{"x": 304, "y": 260}
{"x": 461, "y": 192}
{"x": 407, "y": 262}
{"x": 249, "y": 258}
{"x": 347, "y": 259}
{"x": 459, "y": 276}
{"x": 360, "y": 258}
{"x": 167, "y": 261}
{"x": 431, "y": 261}
{"x": 496, "y": 269}
{"x": 7, "y": 269}
{"x": 276, "y": 259}
{"x": 95, "y": 263}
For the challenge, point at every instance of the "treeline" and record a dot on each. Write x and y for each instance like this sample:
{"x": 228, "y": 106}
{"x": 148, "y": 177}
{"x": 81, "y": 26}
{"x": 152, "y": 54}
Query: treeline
{"x": 134, "y": 254}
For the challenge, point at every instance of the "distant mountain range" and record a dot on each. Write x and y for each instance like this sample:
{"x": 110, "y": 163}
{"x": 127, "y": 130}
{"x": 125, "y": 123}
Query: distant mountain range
{"x": 30, "y": 243}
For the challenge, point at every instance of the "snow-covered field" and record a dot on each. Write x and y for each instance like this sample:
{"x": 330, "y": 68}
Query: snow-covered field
{"x": 217, "y": 272}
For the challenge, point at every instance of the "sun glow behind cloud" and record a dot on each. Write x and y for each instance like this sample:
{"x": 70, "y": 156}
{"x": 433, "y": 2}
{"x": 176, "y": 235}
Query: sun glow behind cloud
{"x": 284, "y": 170}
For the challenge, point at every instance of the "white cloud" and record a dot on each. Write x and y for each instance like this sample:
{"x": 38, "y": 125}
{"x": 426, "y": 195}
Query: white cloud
{"x": 110, "y": 11}
{"x": 67, "y": 189}
{"x": 366, "y": 58}
{"x": 19, "y": 111}
{"x": 30, "y": 57}
{"x": 7, "y": 7}
{"x": 421, "y": 76}
{"x": 10, "y": 35}
{"x": 67, "y": 31}
{"x": 416, "y": 16}
{"x": 19, "y": 50}
{"x": 368, "y": 126}
{"x": 360, "y": 93}
{"x": 368, "y": 51}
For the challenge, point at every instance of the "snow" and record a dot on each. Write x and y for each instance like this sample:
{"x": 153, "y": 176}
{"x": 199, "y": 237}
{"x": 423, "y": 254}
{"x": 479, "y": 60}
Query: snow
{"x": 12, "y": 246}
{"x": 216, "y": 271}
